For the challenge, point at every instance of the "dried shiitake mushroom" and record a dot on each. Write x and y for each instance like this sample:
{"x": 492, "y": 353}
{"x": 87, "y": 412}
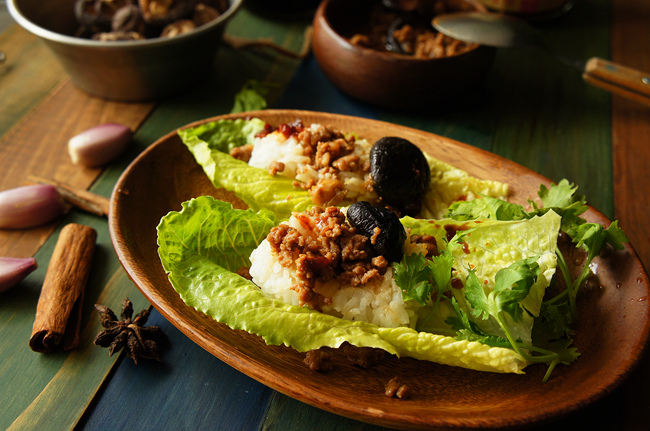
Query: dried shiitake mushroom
{"x": 163, "y": 12}
{"x": 110, "y": 20}
{"x": 128, "y": 18}
{"x": 177, "y": 28}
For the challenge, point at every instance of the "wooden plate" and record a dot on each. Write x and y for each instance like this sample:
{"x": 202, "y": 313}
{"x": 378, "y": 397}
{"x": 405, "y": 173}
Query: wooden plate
{"x": 611, "y": 332}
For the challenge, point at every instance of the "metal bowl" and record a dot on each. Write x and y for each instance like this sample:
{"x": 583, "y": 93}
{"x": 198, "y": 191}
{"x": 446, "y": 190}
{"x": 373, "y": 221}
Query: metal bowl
{"x": 130, "y": 71}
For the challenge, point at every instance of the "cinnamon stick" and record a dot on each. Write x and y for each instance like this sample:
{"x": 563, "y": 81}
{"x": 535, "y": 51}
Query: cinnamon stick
{"x": 58, "y": 313}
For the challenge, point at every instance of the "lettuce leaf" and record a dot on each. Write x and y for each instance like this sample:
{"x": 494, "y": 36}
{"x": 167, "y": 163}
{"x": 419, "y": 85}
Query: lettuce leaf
{"x": 223, "y": 135}
{"x": 201, "y": 246}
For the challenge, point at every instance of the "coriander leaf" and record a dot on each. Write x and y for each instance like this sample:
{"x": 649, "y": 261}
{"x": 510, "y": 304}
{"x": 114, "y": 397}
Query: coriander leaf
{"x": 593, "y": 237}
{"x": 561, "y": 198}
{"x": 571, "y": 219}
{"x": 482, "y": 307}
{"x": 413, "y": 276}
{"x": 490, "y": 340}
{"x": 486, "y": 207}
{"x": 462, "y": 323}
{"x": 461, "y": 320}
{"x": 553, "y": 322}
{"x": 441, "y": 267}
{"x": 512, "y": 285}
{"x": 560, "y": 195}
{"x": 615, "y": 236}
{"x": 563, "y": 349}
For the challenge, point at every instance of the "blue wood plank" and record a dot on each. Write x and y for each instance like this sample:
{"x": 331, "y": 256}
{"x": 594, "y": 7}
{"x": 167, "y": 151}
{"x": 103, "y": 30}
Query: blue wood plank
{"x": 190, "y": 389}
{"x": 310, "y": 90}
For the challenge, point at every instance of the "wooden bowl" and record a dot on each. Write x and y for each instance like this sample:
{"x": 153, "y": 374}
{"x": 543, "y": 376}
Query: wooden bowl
{"x": 393, "y": 80}
{"x": 611, "y": 333}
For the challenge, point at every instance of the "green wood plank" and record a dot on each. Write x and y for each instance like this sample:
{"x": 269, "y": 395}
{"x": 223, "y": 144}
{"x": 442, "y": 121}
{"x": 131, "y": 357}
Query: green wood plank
{"x": 550, "y": 120}
{"x": 190, "y": 389}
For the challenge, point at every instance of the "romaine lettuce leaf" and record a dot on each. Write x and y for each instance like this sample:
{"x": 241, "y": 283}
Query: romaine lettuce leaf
{"x": 203, "y": 245}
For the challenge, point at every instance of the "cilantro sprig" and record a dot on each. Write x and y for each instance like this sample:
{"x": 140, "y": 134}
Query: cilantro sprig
{"x": 512, "y": 285}
{"x": 420, "y": 277}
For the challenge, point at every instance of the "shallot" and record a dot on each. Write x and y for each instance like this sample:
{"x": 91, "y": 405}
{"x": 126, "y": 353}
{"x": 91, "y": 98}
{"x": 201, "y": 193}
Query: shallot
{"x": 13, "y": 270}
{"x": 29, "y": 206}
{"x": 99, "y": 145}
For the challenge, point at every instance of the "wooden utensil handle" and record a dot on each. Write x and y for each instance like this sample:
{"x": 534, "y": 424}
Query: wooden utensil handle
{"x": 621, "y": 80}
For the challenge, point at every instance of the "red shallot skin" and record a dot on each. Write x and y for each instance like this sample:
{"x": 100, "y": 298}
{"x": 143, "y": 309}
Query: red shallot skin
{"x": 29, "y": 206}
{"x": 13, "y": 270}
{"x": 99, "y": 145}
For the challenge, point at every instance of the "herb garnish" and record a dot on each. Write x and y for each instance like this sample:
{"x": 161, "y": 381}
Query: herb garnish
{"x": 426, "y": 281}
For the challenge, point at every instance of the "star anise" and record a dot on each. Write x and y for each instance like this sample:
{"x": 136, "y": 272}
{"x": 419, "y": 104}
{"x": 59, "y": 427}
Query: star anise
{"x": 130, "y": 333}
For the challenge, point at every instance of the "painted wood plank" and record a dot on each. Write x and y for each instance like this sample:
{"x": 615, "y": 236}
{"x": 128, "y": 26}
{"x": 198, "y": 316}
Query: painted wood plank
{"x": 189, "y": 390}
{"x": 287, "y": 414}
{"x": 631, "y": 126}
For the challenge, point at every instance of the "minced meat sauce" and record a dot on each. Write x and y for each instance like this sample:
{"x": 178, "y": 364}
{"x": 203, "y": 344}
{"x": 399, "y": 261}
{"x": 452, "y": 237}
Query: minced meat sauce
{"x": 407, "y": 31}
{"x": 335, "y": 251}
{"x": 330, "y": 153}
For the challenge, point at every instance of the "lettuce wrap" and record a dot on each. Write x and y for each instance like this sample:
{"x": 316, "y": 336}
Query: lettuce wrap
{"x": 211, "y": 143}
{"x": 207, "y": 242}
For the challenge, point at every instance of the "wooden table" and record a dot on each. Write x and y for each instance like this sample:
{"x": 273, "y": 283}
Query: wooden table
{"x": 532, "y": 110}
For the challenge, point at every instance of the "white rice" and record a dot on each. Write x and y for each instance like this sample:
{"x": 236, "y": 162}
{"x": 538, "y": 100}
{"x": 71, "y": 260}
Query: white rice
{"x": 275, "y": 147}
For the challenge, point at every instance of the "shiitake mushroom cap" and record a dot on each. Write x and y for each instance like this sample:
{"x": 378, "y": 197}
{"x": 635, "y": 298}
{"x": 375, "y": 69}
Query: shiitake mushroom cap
{"x": 400, "y": 173}
{"x": 390, "y": 241}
